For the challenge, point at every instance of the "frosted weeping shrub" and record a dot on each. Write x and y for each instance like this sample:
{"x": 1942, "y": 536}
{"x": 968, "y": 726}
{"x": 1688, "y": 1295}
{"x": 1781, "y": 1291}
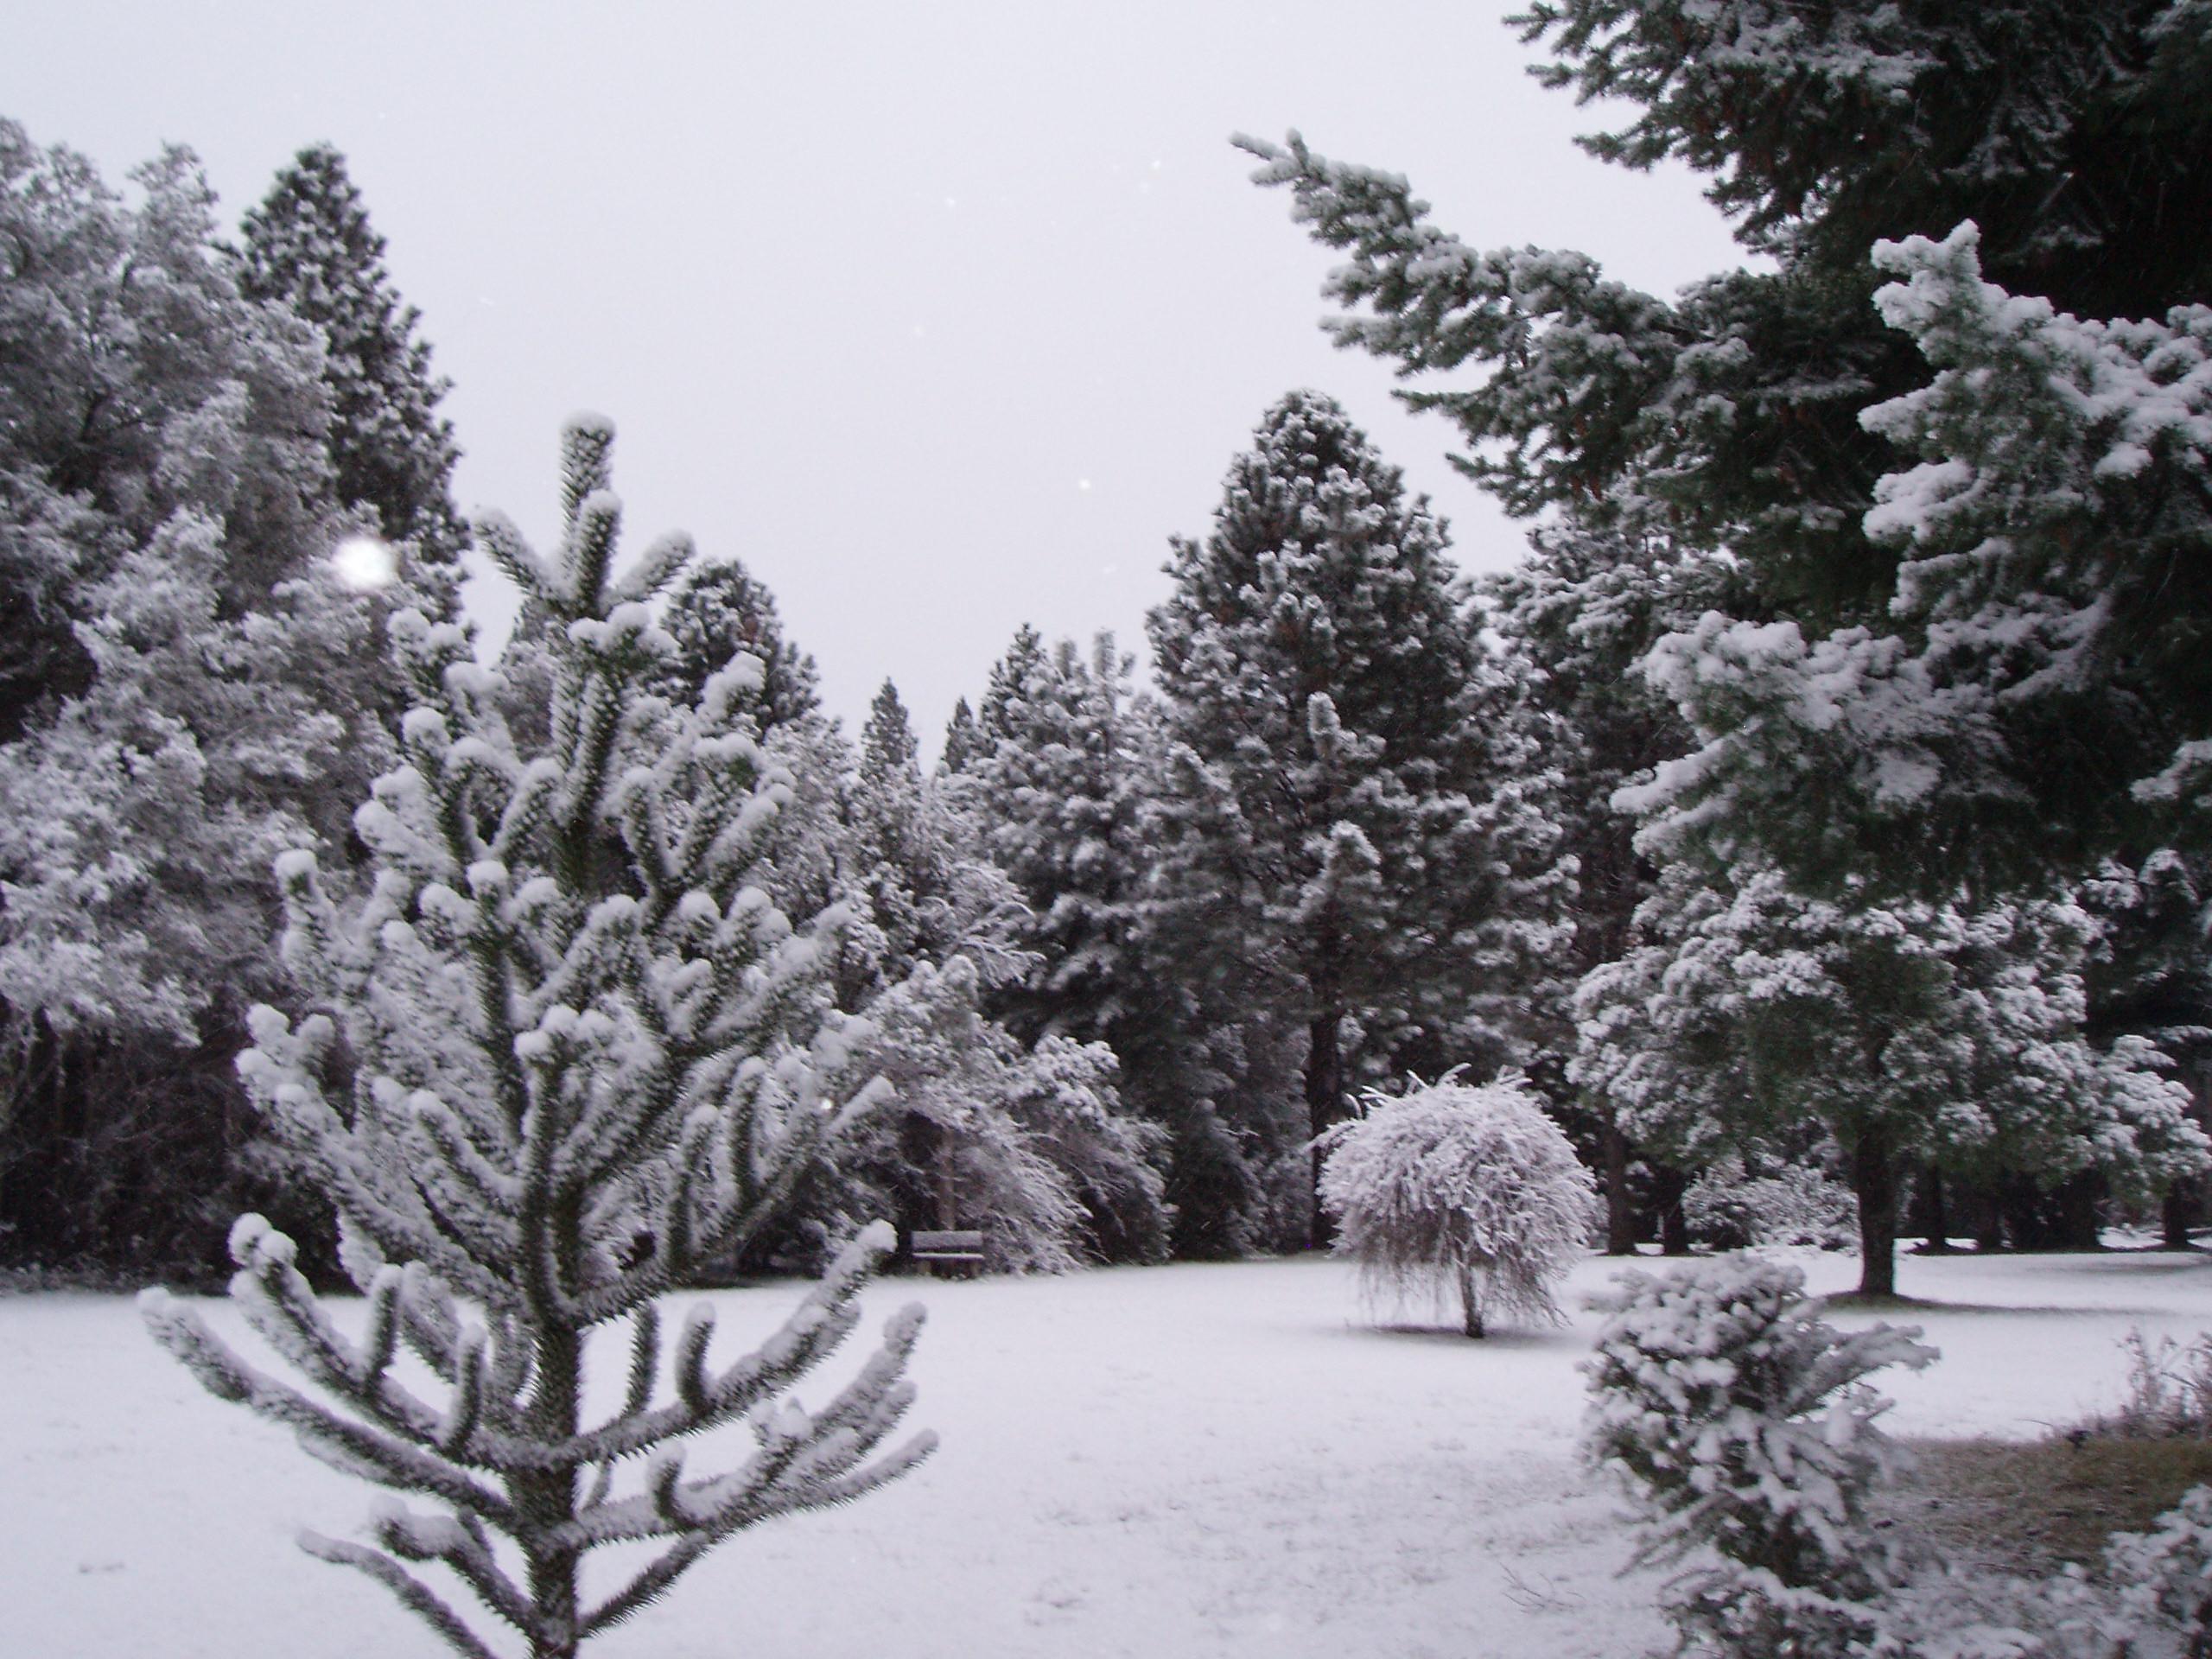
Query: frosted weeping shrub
{"x": 1742, "y": 1422}
{"x": 566, "y": 1054}
{"x": 1451, "y": 1190}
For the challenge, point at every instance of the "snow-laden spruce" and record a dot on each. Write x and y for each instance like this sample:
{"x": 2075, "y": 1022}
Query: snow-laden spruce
{"x": 1743, "y": 1423}
{"x": 566, "y": 1054}
{"x": 1452, "y": 1189}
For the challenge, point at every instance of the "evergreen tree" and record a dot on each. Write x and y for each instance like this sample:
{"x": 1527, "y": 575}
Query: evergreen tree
{"x": 1338, "y": 826}
{"x": 1028, "y": 1141}
{"x": 310, "y": 247}
{"x": 963, "y": 741}
{"x": 565, "y": 1054}
{"x": 2074, "y": 144}
{"x": 180, "y": 682}
{"x": 1572, "y": 621}
{"x": 1748, "y": 1011}
{"x": 889, "y": 748}
{"x": 1009, "y": 674}
{"x": 1057, "y": 797}
{"x": 721, "y": 608}
{"x": 2148, "y": 976}
{"x": 1937, "y": 683}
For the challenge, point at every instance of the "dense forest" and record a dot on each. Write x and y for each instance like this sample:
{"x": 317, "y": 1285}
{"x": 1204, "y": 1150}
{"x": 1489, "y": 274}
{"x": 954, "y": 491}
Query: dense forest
{"x": 1813, "y": 819}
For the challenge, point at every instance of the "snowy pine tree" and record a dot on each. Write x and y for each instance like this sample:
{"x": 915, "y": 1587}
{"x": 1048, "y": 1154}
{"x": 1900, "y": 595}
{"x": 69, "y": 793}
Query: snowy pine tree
{"x": 565, "y": 1053}
{"x": 1343, "y": 832}
{"x": 1750, "y": 1011}
{"x": 1572, "y": 621}
{"x": 1057, "y": 797}
{"x": 2025, "y": 604}
{"x": 721, "y": 608}
{"x": 1744, "y": 1426}
{"x": 310, "y": 247}
{"x": 961, "y": 742}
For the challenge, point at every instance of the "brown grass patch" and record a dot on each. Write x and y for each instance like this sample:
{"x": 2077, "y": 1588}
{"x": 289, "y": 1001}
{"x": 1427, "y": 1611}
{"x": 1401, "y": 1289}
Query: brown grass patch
{"x": 2024, "y": 1507}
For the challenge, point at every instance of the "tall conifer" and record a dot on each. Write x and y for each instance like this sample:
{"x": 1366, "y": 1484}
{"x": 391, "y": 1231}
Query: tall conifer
{"x": 309, "y": 246}
{"x": 1338, "y": 831}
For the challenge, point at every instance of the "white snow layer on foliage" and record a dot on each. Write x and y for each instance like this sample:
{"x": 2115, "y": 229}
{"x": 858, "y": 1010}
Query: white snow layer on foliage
{"x": 1450, "y": 1189}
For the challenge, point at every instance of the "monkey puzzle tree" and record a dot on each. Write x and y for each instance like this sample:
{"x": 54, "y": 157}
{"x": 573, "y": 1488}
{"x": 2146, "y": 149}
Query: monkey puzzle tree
{"x": 566, "y": 1053}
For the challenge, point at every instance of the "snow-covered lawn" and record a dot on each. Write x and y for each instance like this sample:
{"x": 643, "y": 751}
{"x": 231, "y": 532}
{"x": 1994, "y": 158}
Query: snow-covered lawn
{"x": 1192, "y": 1461}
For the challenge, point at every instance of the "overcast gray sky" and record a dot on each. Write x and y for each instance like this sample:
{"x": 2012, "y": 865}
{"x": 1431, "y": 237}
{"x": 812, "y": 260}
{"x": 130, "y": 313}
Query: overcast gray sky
{"x": 941, "y": 316}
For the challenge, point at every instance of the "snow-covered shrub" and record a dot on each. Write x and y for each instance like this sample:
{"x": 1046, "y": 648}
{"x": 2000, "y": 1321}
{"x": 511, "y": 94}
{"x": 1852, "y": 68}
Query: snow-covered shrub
{"x": 566, "y": 1054}
{"x": 1729, "y": 1207}
{"x": 1742, "y": 1422}
{"x": 1451, "y": 1188}
{"x": 2152, "y": 1600}
{"x": 2166, "y": 1573}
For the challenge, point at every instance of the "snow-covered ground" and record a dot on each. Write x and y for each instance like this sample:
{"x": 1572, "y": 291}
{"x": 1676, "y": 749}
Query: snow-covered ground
{"x": 1192, "y": 1460}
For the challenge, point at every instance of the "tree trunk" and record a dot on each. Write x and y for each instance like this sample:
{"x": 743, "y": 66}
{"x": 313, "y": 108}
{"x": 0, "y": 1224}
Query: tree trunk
{"x": 1874, "y": 1184}
{"x": 1471, "y": 1302}
{"x": 1620, "y": 1207}
{"x": 2177, "y": 1214}
{"x": 1324, "y": 1105}
{"x": 1668, "y": 1186}
{"x": 1939, "y": 1213}
{"x": 1989, "y": 1219}
{"x": 947, "y": 1196}
{"x": 549, "y": 1500}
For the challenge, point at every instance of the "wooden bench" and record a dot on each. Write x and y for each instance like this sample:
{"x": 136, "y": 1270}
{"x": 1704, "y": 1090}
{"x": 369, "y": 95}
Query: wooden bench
{"x": 943, "y": 1251}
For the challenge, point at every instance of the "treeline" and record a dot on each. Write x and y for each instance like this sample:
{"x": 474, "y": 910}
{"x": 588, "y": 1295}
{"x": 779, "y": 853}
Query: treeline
{"x": 1821, "y": 798}
{"x": 188, "y": 427}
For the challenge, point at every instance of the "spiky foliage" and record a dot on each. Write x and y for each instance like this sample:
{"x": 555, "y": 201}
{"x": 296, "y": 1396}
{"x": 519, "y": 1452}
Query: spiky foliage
{"x": 566, "y": 1054}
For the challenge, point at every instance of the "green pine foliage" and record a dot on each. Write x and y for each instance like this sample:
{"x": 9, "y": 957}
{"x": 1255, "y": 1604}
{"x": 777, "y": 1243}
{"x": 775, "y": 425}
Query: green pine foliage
{"x": 721, "y": 608}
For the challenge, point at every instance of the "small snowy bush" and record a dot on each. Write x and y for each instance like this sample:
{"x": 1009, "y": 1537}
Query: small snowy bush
{"x": 1456, "y": 1188}
{"x": 2167, "y": 1572}
{"x": 1730, "y": 1207}
{"x": 1742, "y": 1422}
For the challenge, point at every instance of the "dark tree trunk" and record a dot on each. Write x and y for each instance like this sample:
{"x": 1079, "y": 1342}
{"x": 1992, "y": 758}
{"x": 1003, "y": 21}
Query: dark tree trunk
{"x": 1620, "y": 1205}
{"x": 1938, "y": 1216}
{"x": 947, "y": 1196}
{"x": 1471, "y": 1301}
{"x": 2178, "y": 1213}
{"x": 1988, "y": 1219}
{"x": 1668, "y": 1186}
{"x": 1324, "y": 1105}
{"x": 1874, "y": 1184}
